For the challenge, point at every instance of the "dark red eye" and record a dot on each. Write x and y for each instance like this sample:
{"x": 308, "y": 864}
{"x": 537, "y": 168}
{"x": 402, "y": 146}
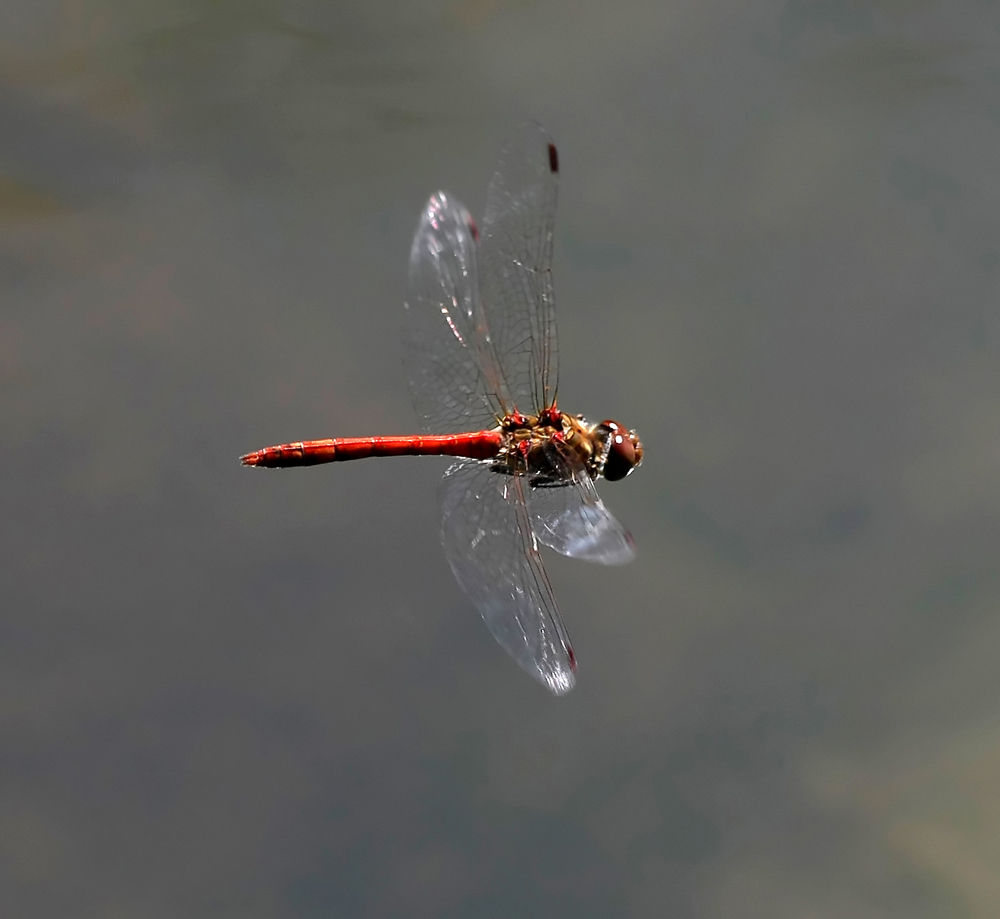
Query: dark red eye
{"x": 624, "y": 451}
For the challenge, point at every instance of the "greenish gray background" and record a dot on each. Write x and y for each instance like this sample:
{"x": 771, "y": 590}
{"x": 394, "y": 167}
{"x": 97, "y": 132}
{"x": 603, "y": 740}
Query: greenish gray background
{"x": 233, "y": 693}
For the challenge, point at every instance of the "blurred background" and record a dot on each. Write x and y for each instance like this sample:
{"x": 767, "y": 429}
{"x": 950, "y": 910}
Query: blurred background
{"x": 234, "y": 693}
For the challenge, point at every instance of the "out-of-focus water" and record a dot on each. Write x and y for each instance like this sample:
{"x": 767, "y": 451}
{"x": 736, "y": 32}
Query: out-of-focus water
{"x": 226, "y": 692}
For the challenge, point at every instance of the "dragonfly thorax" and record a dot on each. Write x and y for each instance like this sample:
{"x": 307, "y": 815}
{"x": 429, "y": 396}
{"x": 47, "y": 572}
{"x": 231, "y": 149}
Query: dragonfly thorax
{"x": 552, "y": 448}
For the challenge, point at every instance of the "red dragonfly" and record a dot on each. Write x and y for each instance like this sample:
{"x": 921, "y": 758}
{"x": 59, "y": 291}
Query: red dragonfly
{"x": 480, "y": 346}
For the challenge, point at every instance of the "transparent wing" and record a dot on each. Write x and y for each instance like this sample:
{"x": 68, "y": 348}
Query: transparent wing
{"x": 573, "y": 520}
{"x": 515, "y": 268}
{"x": 444, "y": 343}
{"x": 570, "y": 516}
{"x": 489, "y": 544}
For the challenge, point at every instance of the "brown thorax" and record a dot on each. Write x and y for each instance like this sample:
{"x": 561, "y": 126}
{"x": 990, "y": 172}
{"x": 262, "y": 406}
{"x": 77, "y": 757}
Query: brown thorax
{"x": 547, "y": 447}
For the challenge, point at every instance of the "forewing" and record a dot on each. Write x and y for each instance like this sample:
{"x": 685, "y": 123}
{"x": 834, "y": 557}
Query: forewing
{"x": 451, "y": 389}
{"x": 573, "y": 520}
{"x": 515, "y": 264}
{"x": 489, "y": 544}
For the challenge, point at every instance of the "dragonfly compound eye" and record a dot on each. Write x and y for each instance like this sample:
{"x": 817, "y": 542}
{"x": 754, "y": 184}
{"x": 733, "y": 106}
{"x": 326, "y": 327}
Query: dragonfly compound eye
{"x": 624, "y": 452}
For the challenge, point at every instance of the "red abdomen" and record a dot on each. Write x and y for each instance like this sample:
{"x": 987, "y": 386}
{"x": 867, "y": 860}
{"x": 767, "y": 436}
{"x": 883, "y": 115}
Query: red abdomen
{"x": 476, "y": 445}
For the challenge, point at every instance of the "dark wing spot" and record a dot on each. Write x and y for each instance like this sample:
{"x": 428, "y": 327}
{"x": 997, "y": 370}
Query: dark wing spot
{"x": 553, "y": 158}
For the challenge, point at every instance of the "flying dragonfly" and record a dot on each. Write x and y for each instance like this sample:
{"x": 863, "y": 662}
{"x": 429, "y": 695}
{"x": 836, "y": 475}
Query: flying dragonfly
{"x": 482, "y": 362}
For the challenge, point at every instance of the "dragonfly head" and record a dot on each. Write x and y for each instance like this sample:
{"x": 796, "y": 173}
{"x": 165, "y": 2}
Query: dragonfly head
{"x": 622, "y": 450}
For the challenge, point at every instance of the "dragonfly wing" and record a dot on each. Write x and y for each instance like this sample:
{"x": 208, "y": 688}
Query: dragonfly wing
{"x": 515, "y": 268}
{"x": 451, "y": 388}
{"x": 489, "y": 544}
{"x": 573, "y": 520}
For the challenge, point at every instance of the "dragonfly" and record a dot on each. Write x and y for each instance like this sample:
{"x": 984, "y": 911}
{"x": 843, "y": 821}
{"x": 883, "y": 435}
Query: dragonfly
{"x": 481, "y": 356}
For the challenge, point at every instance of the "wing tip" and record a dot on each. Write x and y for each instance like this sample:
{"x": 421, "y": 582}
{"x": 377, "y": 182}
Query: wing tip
{"x": 560, "y": 683}
{"x": 559, "y": 680}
